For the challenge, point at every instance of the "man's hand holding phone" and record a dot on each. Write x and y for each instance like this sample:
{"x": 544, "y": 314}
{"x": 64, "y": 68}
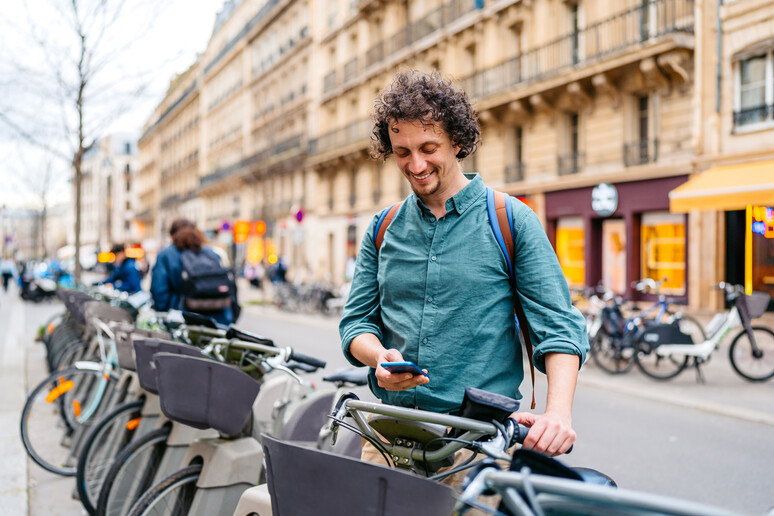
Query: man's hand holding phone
{"x": 398, "y": 380}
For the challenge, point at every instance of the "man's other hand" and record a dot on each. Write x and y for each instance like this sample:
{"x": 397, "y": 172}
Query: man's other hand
{"x": 396, "y": 381}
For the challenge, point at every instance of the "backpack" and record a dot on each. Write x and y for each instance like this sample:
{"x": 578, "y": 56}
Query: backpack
{"x": 500, "y": 209}
{"x": 207, "y": 284}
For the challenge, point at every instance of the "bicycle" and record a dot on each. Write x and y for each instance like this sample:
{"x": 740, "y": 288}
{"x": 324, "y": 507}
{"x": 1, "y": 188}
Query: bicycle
{"x": 613, "y": 347}
{"x": 663, "y": 351}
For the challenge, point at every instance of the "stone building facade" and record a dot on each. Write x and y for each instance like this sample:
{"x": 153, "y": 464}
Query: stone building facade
{"x": 592, "y": 112}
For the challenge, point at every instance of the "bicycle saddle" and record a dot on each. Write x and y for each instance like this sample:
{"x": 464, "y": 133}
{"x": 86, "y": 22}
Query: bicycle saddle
{"x": 351, "y": 376}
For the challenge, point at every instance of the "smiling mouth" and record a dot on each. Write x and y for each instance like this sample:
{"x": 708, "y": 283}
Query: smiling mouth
{"x": 423, "y": 177}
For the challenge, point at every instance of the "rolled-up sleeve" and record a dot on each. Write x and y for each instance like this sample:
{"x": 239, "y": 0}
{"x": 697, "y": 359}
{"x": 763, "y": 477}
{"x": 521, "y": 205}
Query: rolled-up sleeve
{"x": 556, "y": 326}
{"x": 362, "y": 313}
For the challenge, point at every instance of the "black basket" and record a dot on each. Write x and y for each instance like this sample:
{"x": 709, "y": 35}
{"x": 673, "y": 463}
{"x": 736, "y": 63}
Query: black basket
{"x": 105, "y": 312}
{"x": 125, "y": 333}
{"x": 144, "y": 349}
{"x": 74, "y": 301}
{"x": 757, "y": 303}
{"x": 307, "y": 481}
{"x": 201, "y": 393}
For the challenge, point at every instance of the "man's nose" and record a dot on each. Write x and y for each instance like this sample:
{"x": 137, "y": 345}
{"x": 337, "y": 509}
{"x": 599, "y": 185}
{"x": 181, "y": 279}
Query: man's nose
{"x": 417, "y": 165}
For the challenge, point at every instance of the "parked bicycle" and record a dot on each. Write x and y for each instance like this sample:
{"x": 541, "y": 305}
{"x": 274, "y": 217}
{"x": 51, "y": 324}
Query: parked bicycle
{"x": 614, "y": 344}
{"x": 664, "y": 351}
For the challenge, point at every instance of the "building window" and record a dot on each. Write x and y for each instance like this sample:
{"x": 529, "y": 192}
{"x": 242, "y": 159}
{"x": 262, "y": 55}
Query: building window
{"x": 644, "y": 148}
{"x": 352, "y": 186}
{"x": 574, "y": 32}
{"x": 128, "y": 148}
{"x": 514, "y": 171}
{"x": 572, "y": 160}
{"x": 754, "y": 100}
{"x": 662, "y": 250}
{"x": 570, "y": 249}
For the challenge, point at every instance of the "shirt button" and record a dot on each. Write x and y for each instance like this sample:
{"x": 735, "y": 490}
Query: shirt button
{"x": 433, "y": 258}
{"x": 430, "y": 299}
{"x": 424, "y": 341}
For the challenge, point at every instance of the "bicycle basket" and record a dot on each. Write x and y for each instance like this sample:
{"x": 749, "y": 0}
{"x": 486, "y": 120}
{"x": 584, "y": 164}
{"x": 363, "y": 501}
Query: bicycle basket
{"x": 757, "y": 303}
{"x": 308, "y": 481}
{"x": 125, "y": 333}
{"x": 105, "y": 313}
{"x": 144, "y": 349}
{"x": 202, "y": 393}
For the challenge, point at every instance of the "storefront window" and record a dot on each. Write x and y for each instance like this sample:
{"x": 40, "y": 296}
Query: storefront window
{"x": 663, "y": 250}
{"x": 763, "y": 248}
{"x": 570, "y": 241}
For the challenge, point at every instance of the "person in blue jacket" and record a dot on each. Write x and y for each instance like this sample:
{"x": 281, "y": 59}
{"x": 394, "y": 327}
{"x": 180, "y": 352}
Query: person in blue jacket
{"x": 125, "y": 276}
{"x": 167, "y": 275}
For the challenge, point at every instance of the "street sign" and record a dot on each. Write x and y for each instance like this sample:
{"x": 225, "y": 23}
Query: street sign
{"x": 604, "y": 199}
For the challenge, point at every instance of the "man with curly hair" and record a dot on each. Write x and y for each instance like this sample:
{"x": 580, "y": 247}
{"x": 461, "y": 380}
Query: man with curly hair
{"x": 438, "y": 291}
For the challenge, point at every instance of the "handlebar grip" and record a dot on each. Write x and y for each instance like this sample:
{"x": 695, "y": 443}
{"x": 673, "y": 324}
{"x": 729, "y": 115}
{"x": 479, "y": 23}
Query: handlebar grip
{"x": 521, "y": 433}
{"x": 315, "y": 362}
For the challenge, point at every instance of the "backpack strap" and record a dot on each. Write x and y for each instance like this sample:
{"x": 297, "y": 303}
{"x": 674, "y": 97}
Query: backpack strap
{"x": 500, "y": 210}
{"x": 383, "y": 223}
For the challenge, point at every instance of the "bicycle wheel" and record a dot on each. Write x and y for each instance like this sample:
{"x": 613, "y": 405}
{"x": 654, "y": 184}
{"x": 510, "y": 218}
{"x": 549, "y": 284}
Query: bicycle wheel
{"x": 658, "y": 367}
{"x": 755, "y": 367}
{"x": 131, "y": 473}
{"x": 612, "y": 355}
{"x": 104, "y": 441}
{"x": 172, "y": 496}
{"x": 69, "y": 400}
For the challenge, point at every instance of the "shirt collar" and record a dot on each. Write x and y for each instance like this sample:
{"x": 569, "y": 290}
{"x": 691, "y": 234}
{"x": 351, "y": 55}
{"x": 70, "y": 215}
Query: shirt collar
{"x": 468, "y": 195}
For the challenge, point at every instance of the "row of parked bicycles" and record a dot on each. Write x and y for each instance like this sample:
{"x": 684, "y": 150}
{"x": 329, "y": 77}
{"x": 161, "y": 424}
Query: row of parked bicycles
{"x": 662, "y": 342}
{"x": 172, "y": 414}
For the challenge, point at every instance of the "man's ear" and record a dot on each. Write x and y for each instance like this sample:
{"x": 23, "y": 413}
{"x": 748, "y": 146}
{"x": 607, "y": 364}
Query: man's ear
{"x": 457, "y": 149}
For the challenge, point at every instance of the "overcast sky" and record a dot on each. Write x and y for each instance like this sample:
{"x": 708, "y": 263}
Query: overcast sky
{"x": 180, "y": 30}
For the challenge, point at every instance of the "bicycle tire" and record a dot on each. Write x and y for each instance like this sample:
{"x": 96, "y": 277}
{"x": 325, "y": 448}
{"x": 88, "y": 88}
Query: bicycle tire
{"x": 171, "y": 496}
{"x": 655, "y": 366}
{"x": 748, "y": 366}
{"x": 105, "y": 439}
{"x": 134, "y": 466}
{"x": 611, "y": 354}
{"x": 38, "y": 418}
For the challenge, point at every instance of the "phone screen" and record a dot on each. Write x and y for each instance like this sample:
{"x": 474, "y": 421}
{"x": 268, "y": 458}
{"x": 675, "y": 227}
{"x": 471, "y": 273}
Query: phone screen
{"x": 403, "y": 367}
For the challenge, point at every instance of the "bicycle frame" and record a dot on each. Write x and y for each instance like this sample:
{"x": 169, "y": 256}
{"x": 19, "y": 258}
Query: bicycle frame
{"x": 731, "y": 320}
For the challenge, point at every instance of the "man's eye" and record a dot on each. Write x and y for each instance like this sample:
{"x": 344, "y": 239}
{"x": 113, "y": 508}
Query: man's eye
{"x": 402, "y": 154}
{"x": 429, "y": 151}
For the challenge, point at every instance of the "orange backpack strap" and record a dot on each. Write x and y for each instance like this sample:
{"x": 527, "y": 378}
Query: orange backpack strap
{"x": 383, "y": 223}
{"x": 502, "y": 209}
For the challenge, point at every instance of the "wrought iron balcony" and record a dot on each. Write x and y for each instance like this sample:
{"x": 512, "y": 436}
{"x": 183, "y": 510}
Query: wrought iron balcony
{"x": 351, "y": 133}
{"x": 640, "y": 152}
{"x": 375, "y": 54}
{"x": 329, "y": 82}
{"x": 514, "y": 172}
{"x": 350, "y": 69}
{"x": 570, "y": 163}
{"x": 755, "y": 115}
{"x": 602, "y": 40}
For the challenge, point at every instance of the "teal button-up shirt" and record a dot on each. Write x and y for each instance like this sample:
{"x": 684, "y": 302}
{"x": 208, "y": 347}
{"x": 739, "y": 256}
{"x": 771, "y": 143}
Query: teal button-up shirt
{"x": 438, "y": 291}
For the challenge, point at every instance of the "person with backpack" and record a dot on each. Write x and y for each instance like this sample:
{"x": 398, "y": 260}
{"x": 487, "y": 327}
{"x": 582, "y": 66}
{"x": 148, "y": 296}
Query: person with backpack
{"x": 125, "y": 276}
{"x": 435, "y": 283}
{"x": 189, "y": 276}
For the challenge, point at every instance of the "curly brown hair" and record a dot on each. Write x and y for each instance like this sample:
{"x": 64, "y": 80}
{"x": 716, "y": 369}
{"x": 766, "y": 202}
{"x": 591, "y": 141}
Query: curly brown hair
{"x": 429, "y": 98}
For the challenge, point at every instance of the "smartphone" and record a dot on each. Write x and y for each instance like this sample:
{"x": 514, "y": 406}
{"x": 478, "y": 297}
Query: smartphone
{"x": 403, "y": 367}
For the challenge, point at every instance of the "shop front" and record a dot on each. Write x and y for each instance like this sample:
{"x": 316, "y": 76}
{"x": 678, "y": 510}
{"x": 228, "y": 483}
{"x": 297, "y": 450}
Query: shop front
{"x": 745, "y": 192}
{"x": 617, "y": 234}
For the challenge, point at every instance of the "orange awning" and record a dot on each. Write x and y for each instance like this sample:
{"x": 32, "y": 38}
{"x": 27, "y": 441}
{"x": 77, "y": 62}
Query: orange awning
{"x": 725, "y": 188}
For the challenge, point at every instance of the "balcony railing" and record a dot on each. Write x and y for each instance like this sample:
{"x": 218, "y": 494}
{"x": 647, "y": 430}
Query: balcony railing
{"x": 640, "y": 152}
{"x": 350, "y": 69}
{"x": 343, "y": 136}
{"x": 514, "y": 172}
{"x": 375, "y": 54}
{"x": 570, "y": 163}
{"x": 755, "y": 115}
{"x": 329, "y": 81}
{"x": 601, "y": 40}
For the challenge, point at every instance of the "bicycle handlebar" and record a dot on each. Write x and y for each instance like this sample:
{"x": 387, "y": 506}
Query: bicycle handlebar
{"x": 305, "y": 359}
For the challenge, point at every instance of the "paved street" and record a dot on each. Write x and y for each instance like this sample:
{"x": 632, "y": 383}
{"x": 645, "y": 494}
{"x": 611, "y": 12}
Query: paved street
{"x": 708, "y": 442}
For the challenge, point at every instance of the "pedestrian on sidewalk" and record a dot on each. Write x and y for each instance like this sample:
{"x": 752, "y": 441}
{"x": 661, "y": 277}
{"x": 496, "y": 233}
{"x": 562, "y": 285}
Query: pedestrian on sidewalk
{"x": 125, "y": 277}
{"x": 8, "y": 270}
